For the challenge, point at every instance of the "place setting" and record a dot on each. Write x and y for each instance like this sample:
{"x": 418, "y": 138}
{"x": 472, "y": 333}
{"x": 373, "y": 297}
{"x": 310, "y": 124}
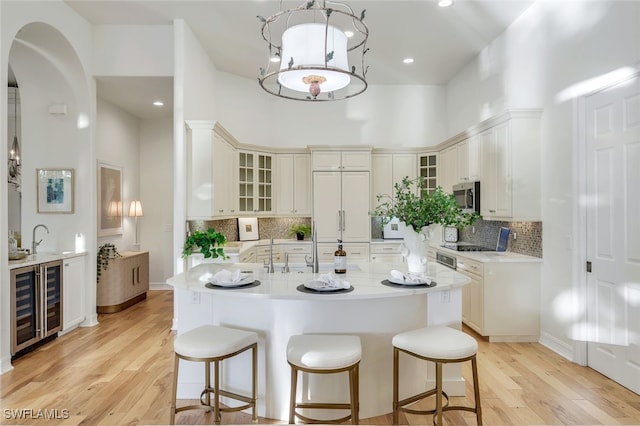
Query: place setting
{"x": 401, "y": 279}
{"x": 326, "y": 284}
{"x": 227, "y": 280}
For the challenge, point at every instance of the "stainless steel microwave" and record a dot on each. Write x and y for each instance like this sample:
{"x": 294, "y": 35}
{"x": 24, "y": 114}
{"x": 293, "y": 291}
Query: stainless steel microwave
{"x": 468, "y": 196}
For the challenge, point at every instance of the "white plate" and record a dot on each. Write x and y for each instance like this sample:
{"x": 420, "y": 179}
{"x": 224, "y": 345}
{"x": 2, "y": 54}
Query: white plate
{"x": 321, "y": 286}
{"x": 243, "y": 281}
{"x": 403, "y": 282}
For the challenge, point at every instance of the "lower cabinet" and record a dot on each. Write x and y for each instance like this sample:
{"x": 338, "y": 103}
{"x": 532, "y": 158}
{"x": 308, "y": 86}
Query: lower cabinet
{"x": 386, "y": 253}
{"x": 502, "y": 301}
{"x": 74, "y": 292}
{"x": 356, "y": 252}
{"x": 124, "y": 283}
{"x": 296, "y": 253}
{"x": 36, "y": 304}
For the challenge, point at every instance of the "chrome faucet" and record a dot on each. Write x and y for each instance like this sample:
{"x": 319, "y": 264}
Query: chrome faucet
{"x": 269, "y": 265}
{"x": 34, "y": 243}
{"x": 285, "y": 268}
{"x": 313, "y": 263}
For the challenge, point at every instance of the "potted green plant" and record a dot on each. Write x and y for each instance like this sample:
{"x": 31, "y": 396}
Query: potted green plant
{"x": 418, "y": 212}
{"x": 208, "y": 242}
{"x": 106, "y": 252}
{"x": 300, "y": 230}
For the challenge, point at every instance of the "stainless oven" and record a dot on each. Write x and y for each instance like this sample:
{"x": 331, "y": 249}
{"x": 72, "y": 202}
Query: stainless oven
{"x": 468, "y": 196}
{"x": 446, "y": 260}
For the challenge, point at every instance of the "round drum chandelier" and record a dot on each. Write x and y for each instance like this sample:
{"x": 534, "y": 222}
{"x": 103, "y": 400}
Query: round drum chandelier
{"x": 316, "y": 52}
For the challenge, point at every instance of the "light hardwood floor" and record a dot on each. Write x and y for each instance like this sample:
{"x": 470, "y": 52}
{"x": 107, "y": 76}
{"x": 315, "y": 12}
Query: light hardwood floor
{"x": 120, "y": 372}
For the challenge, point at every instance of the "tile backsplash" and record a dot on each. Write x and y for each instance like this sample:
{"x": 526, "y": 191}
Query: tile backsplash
{"x": 268, "y": 227}
{"x": 525, "y": 238}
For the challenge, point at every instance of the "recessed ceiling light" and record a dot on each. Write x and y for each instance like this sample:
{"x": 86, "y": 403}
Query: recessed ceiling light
{"x": 445, "y": 3}
{"x": 348, "y": 33}
{"x": 158, "y": 103}
{"x": 408, "y": 60}
{"x": 275, "y": 58}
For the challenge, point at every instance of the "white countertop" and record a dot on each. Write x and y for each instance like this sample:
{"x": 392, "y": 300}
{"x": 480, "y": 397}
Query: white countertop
{"x": 37, "y": 258}
{"x": 489, "y": 256}
{"x": 366, "y": 281}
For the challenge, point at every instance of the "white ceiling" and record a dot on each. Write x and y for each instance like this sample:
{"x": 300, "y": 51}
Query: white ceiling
{"x": 441, "y": 40}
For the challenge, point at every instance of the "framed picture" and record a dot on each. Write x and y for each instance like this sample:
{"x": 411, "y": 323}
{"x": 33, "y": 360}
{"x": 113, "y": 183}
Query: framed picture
{"x": 55, "y": 190}
{"x": 248, "y": 228}
{"x": 109, "y": 199}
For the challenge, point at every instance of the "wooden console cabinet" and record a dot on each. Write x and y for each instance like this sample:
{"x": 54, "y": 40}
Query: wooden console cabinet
{"x": 125, "y": 282}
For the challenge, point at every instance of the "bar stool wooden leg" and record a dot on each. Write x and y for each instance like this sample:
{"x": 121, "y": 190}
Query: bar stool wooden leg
{"x": 292, "y": 400}
{"x": 476, "y": 390}
{"x": 439, "y": 393}
{"x": 254, "y": 387}
{"x": 175, "y": 389}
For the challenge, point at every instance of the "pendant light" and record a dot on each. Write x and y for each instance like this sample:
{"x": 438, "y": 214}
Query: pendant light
{"x": 320, "y": 47}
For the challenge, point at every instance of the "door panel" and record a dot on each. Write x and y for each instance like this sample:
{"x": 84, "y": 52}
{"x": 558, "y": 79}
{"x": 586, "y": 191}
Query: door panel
{"x": 613, "y": 230}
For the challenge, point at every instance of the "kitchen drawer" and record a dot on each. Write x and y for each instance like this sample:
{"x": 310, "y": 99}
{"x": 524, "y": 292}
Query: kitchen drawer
{"x": 356, "y": 252}
{"x": 470, "y": 266}
{"x": 386, "y": 248}
{"x": 248, "y": 256}
{"x": 296, "y": 252}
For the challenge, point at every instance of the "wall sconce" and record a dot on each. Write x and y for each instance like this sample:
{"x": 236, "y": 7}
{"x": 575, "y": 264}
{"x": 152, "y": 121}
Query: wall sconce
{"x": 135, "y": 210}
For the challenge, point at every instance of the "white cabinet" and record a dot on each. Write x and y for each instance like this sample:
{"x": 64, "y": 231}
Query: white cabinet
{"x": 296, "y": 252}
{"x": 355, "y": 160}
{"x": 510, "y": 179}
{"x": 428, "y": 170}
{"x": 255, "y": 182}
{"x": 468, "y": 152}
{"x": 502, "y": 301}
{"x": 356, "y": 252}
{"x": 448, "y": 170}
{"x": 210, "y": 167}
{"x": 386, "y": 252}
{"x": 248, "y": 256}
{"x": 341, "y": 206}
{"x": 387, "y": 170}
{"x": 293, "y": 184}
{"x": 73, "y": 306}
{"x": 262, "y": 253}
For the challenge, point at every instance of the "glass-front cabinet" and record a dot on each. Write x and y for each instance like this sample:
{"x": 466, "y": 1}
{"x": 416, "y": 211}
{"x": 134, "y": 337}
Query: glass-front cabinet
{"x": 255, "y": 180}
{"x": 428, "y": 170}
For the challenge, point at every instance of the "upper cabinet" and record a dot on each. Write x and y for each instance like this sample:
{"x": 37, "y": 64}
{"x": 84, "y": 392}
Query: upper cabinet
{"x": 387, "y": 170}
{"x": 210, "y": 166}
{"x": 336, "y": 160}
{"x": 510, "y": 179}
{"x": 293, "y": 184}
{"x": 428, "y": 170}
{"x": 449, "y": 168}
{"x": 255, "y": 182}
{"x": 468, "y": 152}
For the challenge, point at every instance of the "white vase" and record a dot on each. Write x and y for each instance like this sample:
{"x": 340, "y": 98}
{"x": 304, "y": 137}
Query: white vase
{"x": 415, "y": 247}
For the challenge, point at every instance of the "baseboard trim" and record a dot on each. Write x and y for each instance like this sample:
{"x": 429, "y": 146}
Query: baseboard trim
{"x": 558, "y": 346}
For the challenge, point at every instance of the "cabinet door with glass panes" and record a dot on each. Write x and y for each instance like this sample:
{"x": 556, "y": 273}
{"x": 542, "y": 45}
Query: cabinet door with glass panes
{"x": 428, "y": 170}
{"x": 255, "y": 182}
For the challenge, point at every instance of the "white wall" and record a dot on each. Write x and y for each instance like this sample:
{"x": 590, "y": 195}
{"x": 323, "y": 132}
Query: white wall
{"x": 156, "y": 192}
{"x": 49, "y": 141}
{"x": 383, "y": 116}
{"x": 118, "y": 144}
{"x": 553, "y": 46}
{"x": 133, "y": 50}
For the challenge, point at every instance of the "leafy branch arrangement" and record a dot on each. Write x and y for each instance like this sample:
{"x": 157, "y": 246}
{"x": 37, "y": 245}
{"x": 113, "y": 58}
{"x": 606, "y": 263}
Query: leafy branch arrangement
{"x": 209, "y": 243}
{"x": 300, "y": 228}
{"x": 420, "y": 211}
{"x": 105, "y": 253}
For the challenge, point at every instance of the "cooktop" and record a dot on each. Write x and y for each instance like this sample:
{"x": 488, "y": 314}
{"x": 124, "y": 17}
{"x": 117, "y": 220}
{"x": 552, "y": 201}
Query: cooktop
{"x": 466, "y": 247}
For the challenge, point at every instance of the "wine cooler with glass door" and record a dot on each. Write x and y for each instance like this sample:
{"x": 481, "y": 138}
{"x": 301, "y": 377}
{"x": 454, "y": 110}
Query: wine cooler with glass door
{"x": 36, "y": 305}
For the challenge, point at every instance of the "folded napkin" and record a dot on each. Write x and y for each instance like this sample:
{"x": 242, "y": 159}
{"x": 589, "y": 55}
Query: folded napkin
{"x": 328, "y": 282}
{"x": 225, "y": 277}
{"x": 410, "y": 277}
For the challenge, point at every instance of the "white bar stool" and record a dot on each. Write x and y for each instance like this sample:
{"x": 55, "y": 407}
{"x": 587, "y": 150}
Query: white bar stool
{"x": 213, "y": 344}
{"x": 441, "y": 345}
{"x": 325, "y": 354}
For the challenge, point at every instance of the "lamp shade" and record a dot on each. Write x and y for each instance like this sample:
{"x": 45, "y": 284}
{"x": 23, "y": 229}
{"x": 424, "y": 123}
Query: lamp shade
{"x": 304, "y": 57}
{"x": 135, "y": 209}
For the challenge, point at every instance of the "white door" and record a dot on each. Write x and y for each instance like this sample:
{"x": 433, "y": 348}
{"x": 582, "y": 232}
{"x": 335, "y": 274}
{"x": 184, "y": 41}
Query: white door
{"x": 613, "y": 232}
{"x": 356, "y": 223}
{"x": 327, "y": 205}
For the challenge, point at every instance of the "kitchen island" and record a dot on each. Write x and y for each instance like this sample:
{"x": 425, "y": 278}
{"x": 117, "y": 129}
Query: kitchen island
{"x": 277, "y": 309}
